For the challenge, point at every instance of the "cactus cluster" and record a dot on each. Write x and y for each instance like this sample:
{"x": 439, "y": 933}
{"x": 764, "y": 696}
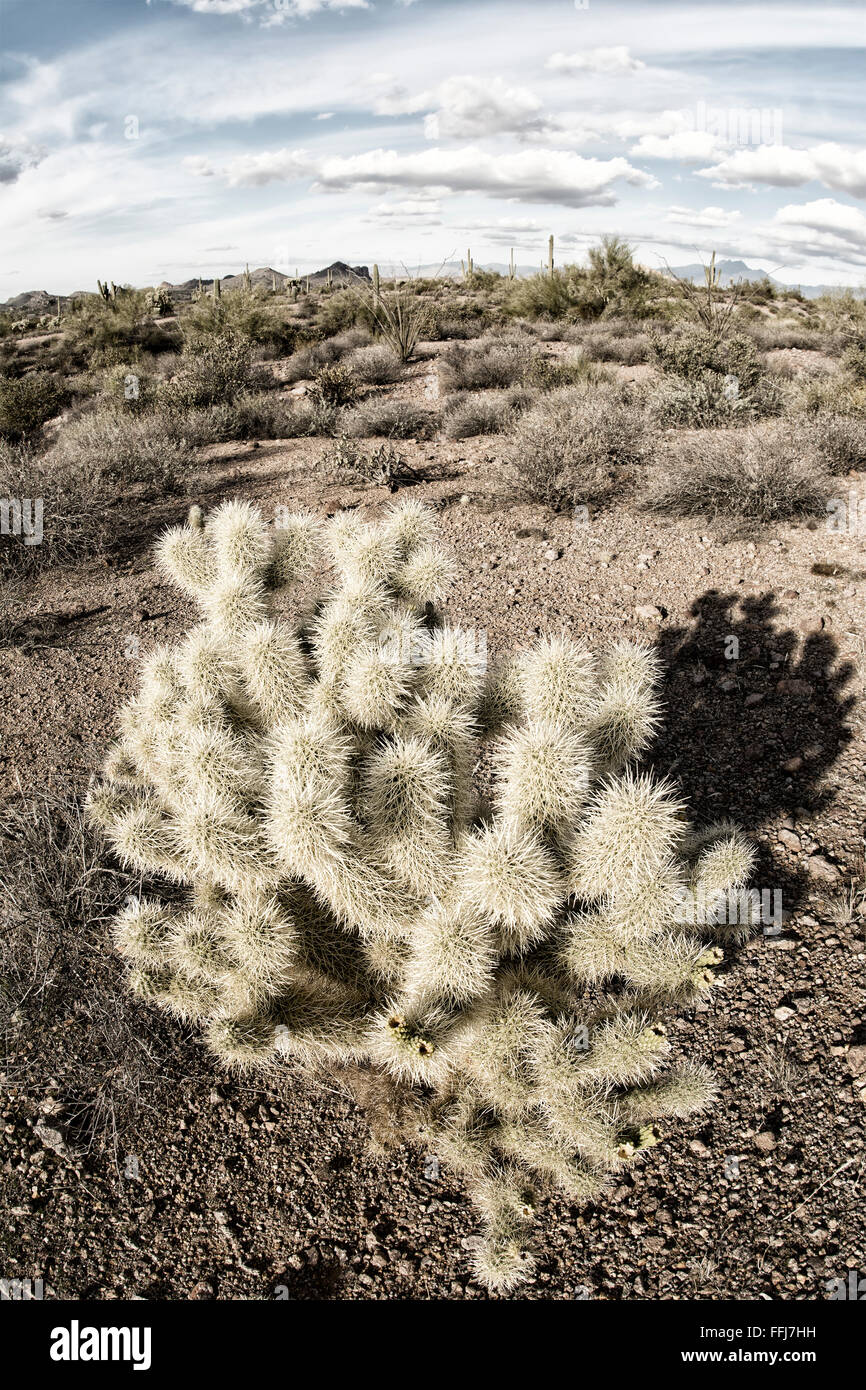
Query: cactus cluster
{"x": 387, "y": 853}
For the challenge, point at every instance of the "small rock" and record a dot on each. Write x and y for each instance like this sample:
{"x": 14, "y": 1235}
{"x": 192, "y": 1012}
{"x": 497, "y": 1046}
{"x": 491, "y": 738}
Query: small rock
{"x": 765, "y": 1141}
{"x": 793, "y": 764}
{"x": 52, "y": 1139}
{"x": 822, "y": 869}
{"x": 648, "y": 613}
{"x": 789, "y": 839}
{"x": 857, "y": 1060}
{"x": 754, "y": 699}
{"x": 783, "y": 1013}
{"x": 552, "y": 554}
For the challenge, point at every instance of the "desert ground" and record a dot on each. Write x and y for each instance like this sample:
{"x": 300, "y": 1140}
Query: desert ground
{"x": 134, "y": 1164}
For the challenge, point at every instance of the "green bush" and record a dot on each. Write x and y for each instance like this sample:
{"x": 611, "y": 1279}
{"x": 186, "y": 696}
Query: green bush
{"x": 711, "y": 400}
{"x": 853, "y": 360}
{"x": 693, "y": 351}
{"x": 26, "y": 402}
{"x": 107, "y": 332}
{"x": 237, "y": 313}
{"x": 212, "y": 371}
{"x": 335, "y": 385}
{"x": 129, "y": 388}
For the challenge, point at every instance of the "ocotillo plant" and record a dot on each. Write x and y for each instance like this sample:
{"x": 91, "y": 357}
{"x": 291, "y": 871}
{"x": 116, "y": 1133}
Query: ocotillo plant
{"x": 343, "y": 892}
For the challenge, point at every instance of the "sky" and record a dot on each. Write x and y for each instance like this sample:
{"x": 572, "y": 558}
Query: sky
{"x": 151, "y": 140}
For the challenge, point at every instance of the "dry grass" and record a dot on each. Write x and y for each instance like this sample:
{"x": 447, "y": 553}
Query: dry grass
{"x": 483, "y": 412}
{"x": 67, "y": 1018}
{"x": 379, "y": 417}
{"x": 566, "y": 449}
{"x": 489, "y": 363}
{"x": 757, "y": 475}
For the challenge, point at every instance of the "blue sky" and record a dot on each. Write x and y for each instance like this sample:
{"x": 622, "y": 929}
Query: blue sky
{"x": 148, "y": 141}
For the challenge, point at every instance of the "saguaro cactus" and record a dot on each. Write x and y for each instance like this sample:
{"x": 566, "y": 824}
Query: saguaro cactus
{"x": 350, "y": 894}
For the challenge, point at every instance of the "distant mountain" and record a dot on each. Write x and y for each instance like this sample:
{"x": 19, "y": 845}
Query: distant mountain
{"x": 731, "y": 271}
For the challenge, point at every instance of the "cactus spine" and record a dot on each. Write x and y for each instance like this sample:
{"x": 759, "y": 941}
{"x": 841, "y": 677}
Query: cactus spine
{"x": 351, "y": 897}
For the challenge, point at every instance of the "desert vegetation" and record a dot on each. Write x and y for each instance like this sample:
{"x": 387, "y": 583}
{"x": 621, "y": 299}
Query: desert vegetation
{"x": 333, "y": 841}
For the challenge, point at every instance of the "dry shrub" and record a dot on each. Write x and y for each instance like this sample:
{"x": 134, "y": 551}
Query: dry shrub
{"x": 712, "y": 400}
{"x": 753, "y": 475}
{"x": 566, "y": 448}
{"x": 57, "y": 897}
{"x": 487, "y": 364}
{"x": 483, "y": 412}
{"x": 376, "y": 365}
{"x": 388, "y": 420}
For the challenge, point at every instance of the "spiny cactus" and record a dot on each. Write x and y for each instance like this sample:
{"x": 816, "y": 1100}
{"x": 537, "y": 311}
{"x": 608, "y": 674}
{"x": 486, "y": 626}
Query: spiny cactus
{"x": 351, "y": 896}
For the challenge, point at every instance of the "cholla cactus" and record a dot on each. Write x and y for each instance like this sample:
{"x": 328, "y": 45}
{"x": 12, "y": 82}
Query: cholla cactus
{"x": 350, "y": 895}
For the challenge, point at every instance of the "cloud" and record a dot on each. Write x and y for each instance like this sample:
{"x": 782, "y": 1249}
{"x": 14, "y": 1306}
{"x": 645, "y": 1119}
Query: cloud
{"x": 16, "y": 156}
{"x": 826, "y": 215}
{"x": 687, "y": 146}
{"x": 603, "y": 60}
{"x": 780, "y": 166}
{"x": 270, "y": 12}
{"x": 536, "y": 176}
{"x": 705, "y": 217}
{"x": 463, "y": 107}
{"x": 473, "y": 107}
{"x": 823, "y": 227}
{"x": 421, "y": 211}
{"x": 254, "y": 170}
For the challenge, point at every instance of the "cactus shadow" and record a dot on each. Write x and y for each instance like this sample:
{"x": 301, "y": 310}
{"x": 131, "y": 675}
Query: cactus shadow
{"x": 756, "y": 715}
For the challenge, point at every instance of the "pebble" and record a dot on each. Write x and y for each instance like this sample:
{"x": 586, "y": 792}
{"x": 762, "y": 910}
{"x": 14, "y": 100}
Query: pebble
{"x": 821, "y": 868}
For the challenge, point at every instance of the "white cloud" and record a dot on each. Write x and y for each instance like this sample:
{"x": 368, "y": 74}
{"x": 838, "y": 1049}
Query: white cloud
{"x": 269, "y": 11}
{"x": 780, "y": 166}
{"x": 826, "y": 215}
{"x": 473, "y": 107}
{"x": 687, "y": 146}
{"x": 537, "y": 176}
{"x": 604, "y": 60}
{"x": 463, "y": 107}
{"x": 701, "y": 217}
